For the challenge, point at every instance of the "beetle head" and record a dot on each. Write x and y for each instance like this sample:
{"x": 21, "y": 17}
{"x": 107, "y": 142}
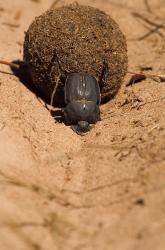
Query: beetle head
{"x": 81, "y": 128}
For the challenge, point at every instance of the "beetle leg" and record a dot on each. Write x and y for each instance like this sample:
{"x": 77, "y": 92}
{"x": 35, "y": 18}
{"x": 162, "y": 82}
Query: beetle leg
{"x": 55, "y": 61}
{"x": 55, "y": 81}
{"x": 104, "y": 74}
{"x": 55, "y": 74}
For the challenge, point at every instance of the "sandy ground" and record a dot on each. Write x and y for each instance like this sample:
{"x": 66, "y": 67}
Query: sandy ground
{"x": 102, "y": 191}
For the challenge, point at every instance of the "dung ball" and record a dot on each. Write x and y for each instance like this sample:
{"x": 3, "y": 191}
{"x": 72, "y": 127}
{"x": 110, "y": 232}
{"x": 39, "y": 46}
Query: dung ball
{"x": 83, "y": 39}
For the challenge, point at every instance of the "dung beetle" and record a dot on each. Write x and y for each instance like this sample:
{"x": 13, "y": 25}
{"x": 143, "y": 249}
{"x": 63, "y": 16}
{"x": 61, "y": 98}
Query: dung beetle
{"x": 82, "y": 99}
{"x": 81, "y": 95}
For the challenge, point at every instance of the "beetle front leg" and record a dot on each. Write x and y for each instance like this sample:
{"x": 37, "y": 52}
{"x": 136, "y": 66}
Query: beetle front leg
{"x": 55, "y": 74}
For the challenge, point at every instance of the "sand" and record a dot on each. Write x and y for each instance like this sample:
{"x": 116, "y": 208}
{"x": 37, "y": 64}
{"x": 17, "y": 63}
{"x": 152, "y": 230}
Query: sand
{"x": 104, "y": 191}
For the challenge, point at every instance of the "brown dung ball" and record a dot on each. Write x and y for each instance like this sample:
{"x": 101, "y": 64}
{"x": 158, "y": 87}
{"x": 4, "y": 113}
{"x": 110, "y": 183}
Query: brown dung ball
{"x": 83, "y": 38}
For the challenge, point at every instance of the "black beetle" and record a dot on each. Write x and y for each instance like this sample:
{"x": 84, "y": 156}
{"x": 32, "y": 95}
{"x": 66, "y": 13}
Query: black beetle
{"x": 82, "y": 99}
{"x": 81, "y": 95}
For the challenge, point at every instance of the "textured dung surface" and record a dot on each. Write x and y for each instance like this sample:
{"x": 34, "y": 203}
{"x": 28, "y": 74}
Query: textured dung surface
{"x": 83, "y": 38}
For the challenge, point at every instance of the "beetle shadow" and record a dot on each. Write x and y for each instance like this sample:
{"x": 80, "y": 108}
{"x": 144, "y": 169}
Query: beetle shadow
{"x": 23, "y": 75}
